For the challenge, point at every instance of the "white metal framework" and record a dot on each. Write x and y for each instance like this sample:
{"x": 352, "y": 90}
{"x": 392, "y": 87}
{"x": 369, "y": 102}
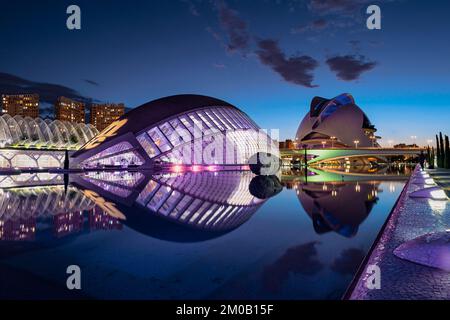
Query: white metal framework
{"x": 31, "y": 158}
{"x": 21, "y": 131}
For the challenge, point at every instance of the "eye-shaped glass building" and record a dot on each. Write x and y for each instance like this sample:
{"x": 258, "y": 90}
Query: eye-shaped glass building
{"x": 336, "y": 122}
{"x": 178, "y": 130}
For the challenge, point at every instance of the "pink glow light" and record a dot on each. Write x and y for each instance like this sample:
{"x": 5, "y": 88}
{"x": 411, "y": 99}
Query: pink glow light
{"x": 177, "y": 168}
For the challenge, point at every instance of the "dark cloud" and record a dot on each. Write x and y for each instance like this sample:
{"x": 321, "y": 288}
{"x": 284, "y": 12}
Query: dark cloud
{"x": 319, "y": 24}
{"x": 235, "y": 27}
{"x": 301, "y": 259}
{"x": 336, "y": 6}
{"x": 316, "y": 25}
{"x": 295, "y": 69}
{"x": 349, "y": 67}
{"x": 48, "y": 92}
{"x": 91, "y": 82}
{"x": 348, "y": 262}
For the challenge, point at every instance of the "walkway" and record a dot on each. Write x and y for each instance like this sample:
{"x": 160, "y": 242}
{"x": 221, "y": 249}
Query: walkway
{"x": 401, "y": 279}
{"x": 442, "y": 178}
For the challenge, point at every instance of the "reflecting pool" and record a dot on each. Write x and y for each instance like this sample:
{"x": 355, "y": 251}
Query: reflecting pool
{"x": 194, "y": 235}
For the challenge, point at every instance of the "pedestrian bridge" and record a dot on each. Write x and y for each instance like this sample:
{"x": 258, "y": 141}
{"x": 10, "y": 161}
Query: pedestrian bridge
{"x": 317, "y": 156}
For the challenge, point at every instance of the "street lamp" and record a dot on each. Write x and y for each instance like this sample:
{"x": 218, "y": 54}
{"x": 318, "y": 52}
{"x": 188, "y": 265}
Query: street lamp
{"x": 356, "y": 143}
{"x": 373, "y": 138}
{"x": 332, "y": 141}
{"x": 413, "y": 138}
{"x": 323, "y": 144}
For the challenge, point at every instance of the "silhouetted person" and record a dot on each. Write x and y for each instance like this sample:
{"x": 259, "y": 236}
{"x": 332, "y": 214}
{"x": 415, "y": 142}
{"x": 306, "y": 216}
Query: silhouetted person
{"x": 422, "y": 159}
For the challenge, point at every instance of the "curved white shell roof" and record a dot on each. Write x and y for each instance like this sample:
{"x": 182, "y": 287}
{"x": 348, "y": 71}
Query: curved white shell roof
{"x": 39, "y": 133}
{"x": 340, "y": 118}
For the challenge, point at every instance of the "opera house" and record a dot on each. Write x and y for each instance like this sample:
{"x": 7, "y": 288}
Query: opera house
{"x": 336, "y": 122}
{"x": 182, "y": 130}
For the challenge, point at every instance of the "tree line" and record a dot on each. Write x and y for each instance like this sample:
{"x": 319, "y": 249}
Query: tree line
{"x": 441, "y": 154}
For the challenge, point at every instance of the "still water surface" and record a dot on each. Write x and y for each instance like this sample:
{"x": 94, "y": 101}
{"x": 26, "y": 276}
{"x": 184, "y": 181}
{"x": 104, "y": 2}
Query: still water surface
{"x": 205, "y": 235}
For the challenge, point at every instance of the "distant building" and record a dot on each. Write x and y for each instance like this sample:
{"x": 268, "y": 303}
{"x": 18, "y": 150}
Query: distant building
{"x": 288, "y": 144}
{"x": 25, "y": 105}
{"x": 405, "y": 146}
{"x": 70, "y": 110}
{"x": 336, "y": 122}
{"x": 102, "y": 115}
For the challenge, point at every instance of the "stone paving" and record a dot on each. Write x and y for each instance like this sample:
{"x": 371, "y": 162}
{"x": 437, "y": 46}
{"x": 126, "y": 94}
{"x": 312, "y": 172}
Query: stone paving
{"x": 402, "y": 279}
{"x": 442, "y": 178}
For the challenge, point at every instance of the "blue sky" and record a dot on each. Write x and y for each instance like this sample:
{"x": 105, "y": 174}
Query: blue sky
{"x": 269, "y": 58}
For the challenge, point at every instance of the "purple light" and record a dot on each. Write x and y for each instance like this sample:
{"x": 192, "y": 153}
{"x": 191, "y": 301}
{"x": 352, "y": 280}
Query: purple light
{"x": 177, "y": 168}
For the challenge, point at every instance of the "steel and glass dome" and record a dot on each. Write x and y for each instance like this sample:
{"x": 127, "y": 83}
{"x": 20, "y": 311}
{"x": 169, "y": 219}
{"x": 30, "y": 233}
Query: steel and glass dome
{"x": 21, "y": 131}
{"x": 336, "y": 122}
{"x": 178, "y": 130}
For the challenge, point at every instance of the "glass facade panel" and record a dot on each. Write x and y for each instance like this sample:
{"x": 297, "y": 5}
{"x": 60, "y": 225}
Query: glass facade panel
{"x": 190, "y": 210}
{"x": 170, "y": 203}
{"x": 159, "y": 139}
{"x": 178, "y": 210}
{"x": 199, "y": 212}
{"x": 145, "y": 195}
{"x": 150, "y": 148}
{"x": 157, "y": 200}
{"x": 215, "y": 120}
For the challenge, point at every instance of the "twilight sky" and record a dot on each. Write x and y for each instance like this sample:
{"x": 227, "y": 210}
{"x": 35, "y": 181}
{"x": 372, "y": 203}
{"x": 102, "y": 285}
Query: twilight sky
{"x": 268, "y": 57}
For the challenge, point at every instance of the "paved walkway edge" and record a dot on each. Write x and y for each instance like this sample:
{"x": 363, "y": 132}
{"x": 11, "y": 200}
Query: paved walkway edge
{"x": 357, "y": 290}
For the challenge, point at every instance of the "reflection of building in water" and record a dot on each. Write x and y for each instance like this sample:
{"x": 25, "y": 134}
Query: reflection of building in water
{"x": 209, "y": 201}
{"x": 68, "y": 223}
{"x": 18, "y": 230}
{"x": 64, "y": 210}
{"x": 181, "y": 129}
{"x": 204, "y": 200}
{"x": 101, "y": 220}
{"x": 340, "y": 207}
{"x": 30, "y": 179}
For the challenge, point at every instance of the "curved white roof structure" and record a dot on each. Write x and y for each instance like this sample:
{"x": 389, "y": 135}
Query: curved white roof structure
{"x": 336, "y": 122}
{"x": 21, "y": 131}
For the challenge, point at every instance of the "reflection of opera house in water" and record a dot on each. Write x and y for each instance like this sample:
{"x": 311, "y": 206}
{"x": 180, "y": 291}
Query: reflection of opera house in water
{"x": 339, "y": 207}
{"x": 190, "y": 206}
